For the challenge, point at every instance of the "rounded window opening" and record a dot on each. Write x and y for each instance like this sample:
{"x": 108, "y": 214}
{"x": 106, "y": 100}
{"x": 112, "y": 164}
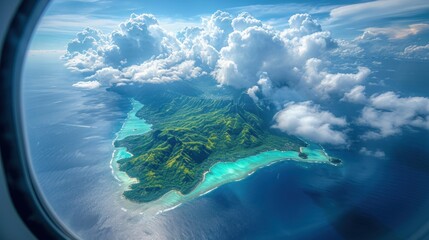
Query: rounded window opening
{"x": 231, "y": 120}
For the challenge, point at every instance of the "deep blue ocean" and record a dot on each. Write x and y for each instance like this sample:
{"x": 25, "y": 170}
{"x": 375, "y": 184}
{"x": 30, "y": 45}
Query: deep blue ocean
{"x": 70, "y": 133}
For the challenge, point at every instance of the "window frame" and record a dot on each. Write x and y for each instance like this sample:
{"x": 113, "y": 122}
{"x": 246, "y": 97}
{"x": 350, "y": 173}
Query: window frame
{"x": 24, "y": 192}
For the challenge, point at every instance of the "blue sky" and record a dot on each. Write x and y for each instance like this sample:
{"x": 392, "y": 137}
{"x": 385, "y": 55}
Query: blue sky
{"x": 345, "y": 19}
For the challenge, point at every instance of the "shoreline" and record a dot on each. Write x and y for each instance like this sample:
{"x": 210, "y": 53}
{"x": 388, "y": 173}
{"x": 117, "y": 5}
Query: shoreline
{"x": 138, "y": 126}
{"x": 218, "y": 174}
{"x": 213, "y": 179}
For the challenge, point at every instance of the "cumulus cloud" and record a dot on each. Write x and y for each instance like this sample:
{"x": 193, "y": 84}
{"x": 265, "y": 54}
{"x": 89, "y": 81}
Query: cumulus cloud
{"x": 87, "y": 39}
{"x": 388, "y": 114}
{"x": 106, "y": 76}
{"x": 281, "y": 55}
{"x": 249, "y": 53}
{"x": 253, "y": 93}
{"x": 325, "y": 83}
{"x": 356, "y": 95}
{"x": 263, "y": 89}
{"x": 245, "y": 20}
{"x": 308, "y": 120}
{"x": 140, "y": 51}
{"x": 161, "y": 71}
{"x": 86, "y": 61}
{"x": 172, "y": 68}
{"x": 138, "y": 39}
{"x": 236, "y": 51}
{"x": 301, "y": 25}
{"x": 217, "y": 28}
{"x": 87, "y": 85}
{"x": 376, "y": 153}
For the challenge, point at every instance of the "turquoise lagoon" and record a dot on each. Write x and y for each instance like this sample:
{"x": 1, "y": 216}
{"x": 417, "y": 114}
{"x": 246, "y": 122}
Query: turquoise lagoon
{"x": 131, "y": 126}
{"x": 219, "y": 174}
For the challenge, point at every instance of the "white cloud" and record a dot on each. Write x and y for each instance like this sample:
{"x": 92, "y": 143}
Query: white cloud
{"x": 307, "y": 120}
{"x": 388, "y": 113}
{"x": 347, "y": 49}
{"x": 172, "y": 68}
{"x": 87, "y": 85}
{"x": 160, "y": 71}
{"x": 265, "y": 93}
{"x": 138, "y": 39}
{"x": 144, "y": 52}
{"x": 325, "y": 83}
{"x": 249, "y": 53}
{"x": 106, "y": 76}
{"x": 245, "y": 20}
{"x": 356, "y": 95}
{"x": 301, "y": 25}
{"x": 89, "y": 38}
{"x": 264, "y": 88}
{"x": 280, "y": 54}
{"x": 377, "y": 153}
{"x": 217, "y": 28}
{"x": 252, "y": 92}
{"x": 196, "y": 44}
{"x": 88, "y": 61}
{"x": 240, "y": 51}
{"x": 376, "y": 10}
{"x": 418, "y": 52}
{"x": 265, "y": 84}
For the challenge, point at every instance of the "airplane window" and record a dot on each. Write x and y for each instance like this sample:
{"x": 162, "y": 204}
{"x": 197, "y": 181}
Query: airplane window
{"x": 231, "y": 119}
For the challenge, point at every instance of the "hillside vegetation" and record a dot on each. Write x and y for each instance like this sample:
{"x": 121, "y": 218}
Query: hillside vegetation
{"x": 189, "y": 135}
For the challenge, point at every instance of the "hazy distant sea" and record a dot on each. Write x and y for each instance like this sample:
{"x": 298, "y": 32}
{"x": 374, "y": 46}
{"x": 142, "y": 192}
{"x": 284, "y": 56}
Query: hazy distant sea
{"x": 70, "y": 133}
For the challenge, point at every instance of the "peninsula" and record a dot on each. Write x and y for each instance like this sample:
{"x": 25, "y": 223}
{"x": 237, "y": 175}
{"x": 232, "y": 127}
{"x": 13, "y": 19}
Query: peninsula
{"x": 190, "y": 133}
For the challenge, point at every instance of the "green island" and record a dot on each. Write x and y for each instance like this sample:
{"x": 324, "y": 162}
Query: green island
{"x": 190, "y": 133}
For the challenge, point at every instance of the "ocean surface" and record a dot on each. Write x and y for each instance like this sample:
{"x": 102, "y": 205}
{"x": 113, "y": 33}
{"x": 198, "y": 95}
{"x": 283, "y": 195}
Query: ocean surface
{"x": 70, "y": 133}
